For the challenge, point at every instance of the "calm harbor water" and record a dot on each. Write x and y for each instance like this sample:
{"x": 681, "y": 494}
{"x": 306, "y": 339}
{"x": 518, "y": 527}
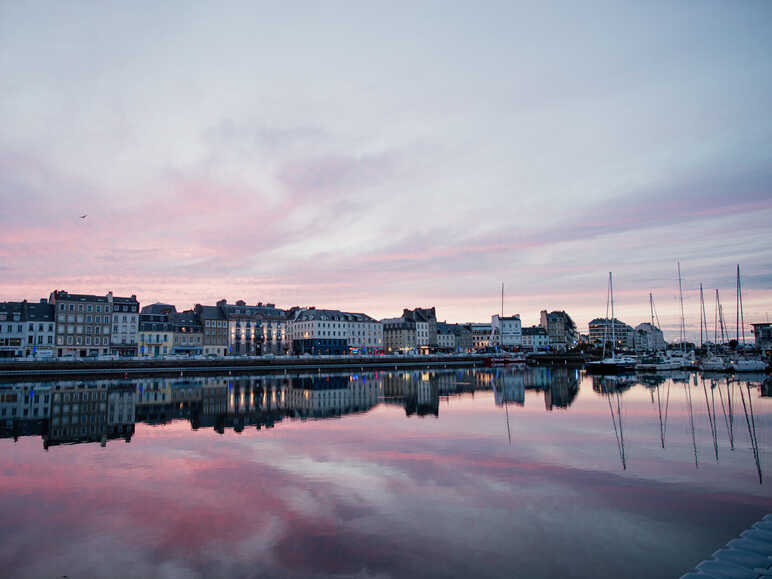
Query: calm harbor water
{"x": 462, "y": 473}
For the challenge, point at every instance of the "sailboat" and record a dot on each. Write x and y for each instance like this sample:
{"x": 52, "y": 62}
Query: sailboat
{"x": 656, "y": 361}
{"x": 614, "y": 364}
{"x": 744, "y": 364}
{"x": 502, "y": 357}
{"x": 711, "y": 362}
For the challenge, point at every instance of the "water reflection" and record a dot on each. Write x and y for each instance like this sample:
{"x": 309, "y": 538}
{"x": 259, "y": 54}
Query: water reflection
{"x": 68, "y": 412}
{"x": 374, "y": 473}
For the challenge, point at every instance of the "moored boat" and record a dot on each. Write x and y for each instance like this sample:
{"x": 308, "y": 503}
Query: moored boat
{"x": 613, "y": 365}
{"x": 657, "y": 362}
{"x": 713, "y": 364}
{"x": 749, "y": 365}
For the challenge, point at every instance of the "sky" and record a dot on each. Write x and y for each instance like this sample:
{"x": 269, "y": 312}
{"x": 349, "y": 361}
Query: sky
{"x": 372, "y": 156}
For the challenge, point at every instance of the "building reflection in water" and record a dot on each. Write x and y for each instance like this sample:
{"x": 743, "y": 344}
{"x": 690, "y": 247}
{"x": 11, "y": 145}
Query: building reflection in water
{"x": 559, "y": 385}
{"x": 70, "y": 412}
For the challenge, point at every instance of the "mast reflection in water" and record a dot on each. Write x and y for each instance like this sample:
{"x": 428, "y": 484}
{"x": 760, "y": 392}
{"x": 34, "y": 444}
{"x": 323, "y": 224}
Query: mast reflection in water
{"x": 408, "y": 473}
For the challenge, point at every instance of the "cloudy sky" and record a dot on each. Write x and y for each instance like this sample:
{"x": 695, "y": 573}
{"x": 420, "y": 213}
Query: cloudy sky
{"x": 373, "y": 156}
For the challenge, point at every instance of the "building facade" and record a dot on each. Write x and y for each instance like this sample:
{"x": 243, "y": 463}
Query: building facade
{"x": 83, "y": 323}
{"x": 188, "y": 334}
{"x": 535, "y": 339}
{"x": 603, "y": 329}
{"x": 334, "y": 332}
{"x": 27, "y": 329}
{"x": 123, "y": 339}
{"x": 483, "y": 336}
{"x": 156, "y": 334}
{"x": 648, "y": 337}
{"x": 763, "y": 336}
{"x": 561, "y": 329}
{"x": 214, "y": 324}
{"x": 507, "y": 330}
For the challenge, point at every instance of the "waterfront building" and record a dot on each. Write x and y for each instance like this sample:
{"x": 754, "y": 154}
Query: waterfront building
{"x": 123, "y": 339}
{"x": 26, "y": 329}
{"x": 561, "y": 329}
{"x": 274, "y": 324}
{"x": 763, "y": 336}
{"x": 507, "y": 331}
{"x": 483, "y": 336}
{"x": 11, "y": 330}
{"x": 40, "y": 326}
{"x": 188, "y": 334}
{"x": 601, "y": 329}
{"x": 463, "y": 334}
{"x": 446, "y": 338}
{"x": 83, "y": 323}
{"x": 314, "y": 331}
{"x": 156, "y": 332}
{"x": 647, "y": 336}
{"x": 245, "y": 331}
{"x": 399, "y": 335}
{"x": 214, "y": 323}
{"x": 535, "y": 338}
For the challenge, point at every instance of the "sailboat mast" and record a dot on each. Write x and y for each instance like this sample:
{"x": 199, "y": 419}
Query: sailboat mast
{"x": 651, "y": 307}
{"x": 702, "y": 313}
{"x": 715, "y": 321}
{"x": 681, "y": 298}
{"x": 613, "y": 324}
{"x": 740, "y": 317}
{"x": 502, "y": 299}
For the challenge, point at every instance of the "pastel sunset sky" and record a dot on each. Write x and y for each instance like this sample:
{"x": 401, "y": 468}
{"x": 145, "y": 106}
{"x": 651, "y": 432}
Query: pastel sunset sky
{"x": 371, "y": 156}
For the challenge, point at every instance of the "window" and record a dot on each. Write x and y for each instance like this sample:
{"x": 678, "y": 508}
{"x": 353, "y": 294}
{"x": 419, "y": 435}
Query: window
{"x": 99, "y": 309}
{"x": 80, "y": 307}
{"x": 69, "y": 340}
{"x": 104, "y": 341}
{"x": 61, "y": 307}
{"x": 88, "y": 309}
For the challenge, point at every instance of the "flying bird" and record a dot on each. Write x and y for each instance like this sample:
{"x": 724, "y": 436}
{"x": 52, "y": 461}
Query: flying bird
{"x": 83, "y": 216}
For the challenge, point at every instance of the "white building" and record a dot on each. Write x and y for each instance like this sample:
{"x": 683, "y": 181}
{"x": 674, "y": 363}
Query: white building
{"x": 27, "y": 329}
{"x": 508, "y": 329}
{"x": 648, "y": 337}
{"x": 334, "y": 332}
{"x": 536, "y": 338}
{"x": 125, "y": 334}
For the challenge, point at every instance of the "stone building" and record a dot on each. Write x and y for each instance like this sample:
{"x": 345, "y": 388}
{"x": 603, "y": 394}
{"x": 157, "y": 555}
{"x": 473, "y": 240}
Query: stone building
{"x": 83, "y": 323}
{"x": 561, "y": 329}
{"x": 27, "y": 329}
{"x": 188, "y": 334}
{"x": 123, "y": 339}
{"x": 334, "y": 332}
{"x": 214, "y": 324}
{"x": 156, "y": 330}
{"x": 535, "y": 338}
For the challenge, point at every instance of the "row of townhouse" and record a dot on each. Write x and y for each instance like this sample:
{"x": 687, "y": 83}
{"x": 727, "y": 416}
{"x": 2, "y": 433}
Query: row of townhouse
{"x": 81, "y": 325}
